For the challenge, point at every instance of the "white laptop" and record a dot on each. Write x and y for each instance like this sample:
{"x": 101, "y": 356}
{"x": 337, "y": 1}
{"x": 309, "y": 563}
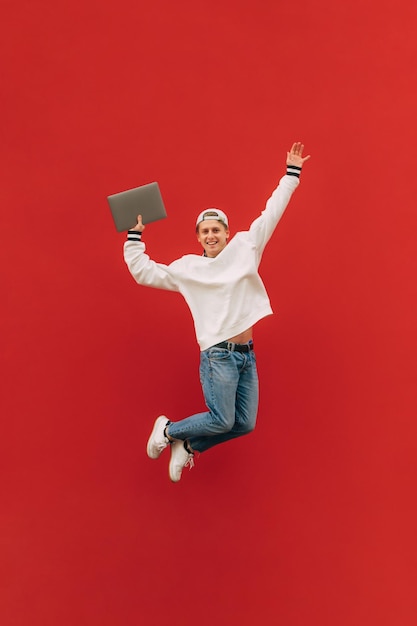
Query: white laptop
{"x": 145, "y": 200}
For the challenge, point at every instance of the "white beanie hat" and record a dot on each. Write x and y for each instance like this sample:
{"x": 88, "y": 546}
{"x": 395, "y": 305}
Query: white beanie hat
{"x": 213, "y": 214}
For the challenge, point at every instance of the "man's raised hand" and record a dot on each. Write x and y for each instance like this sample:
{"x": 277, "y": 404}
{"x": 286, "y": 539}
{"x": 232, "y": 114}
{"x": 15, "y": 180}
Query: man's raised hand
{"x": 295, "y": 155}
{"x": 140, "y": 226}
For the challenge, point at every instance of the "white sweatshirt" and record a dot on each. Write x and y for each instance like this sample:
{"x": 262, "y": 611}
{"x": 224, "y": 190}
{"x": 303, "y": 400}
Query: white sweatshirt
{"x": 225, "y": 294}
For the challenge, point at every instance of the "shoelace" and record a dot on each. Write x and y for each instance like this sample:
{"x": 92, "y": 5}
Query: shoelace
{"x": 190, "y": 461}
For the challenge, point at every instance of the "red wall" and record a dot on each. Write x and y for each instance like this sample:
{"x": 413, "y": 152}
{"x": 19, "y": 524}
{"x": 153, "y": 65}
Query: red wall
{"x": 310, "y": 520}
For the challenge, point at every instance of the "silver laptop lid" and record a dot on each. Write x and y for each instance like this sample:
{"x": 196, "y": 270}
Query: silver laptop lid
{"x": 145, "y": 200}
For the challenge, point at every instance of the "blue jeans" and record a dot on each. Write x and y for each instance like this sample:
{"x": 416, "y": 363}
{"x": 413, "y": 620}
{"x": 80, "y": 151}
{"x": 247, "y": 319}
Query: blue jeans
{"x": 230, "y": 385}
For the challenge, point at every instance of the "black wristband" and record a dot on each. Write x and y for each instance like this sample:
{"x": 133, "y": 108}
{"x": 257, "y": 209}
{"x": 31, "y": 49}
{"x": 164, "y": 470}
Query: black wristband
{"x": 134, "y": 235}
{"x": 293, "y": 170}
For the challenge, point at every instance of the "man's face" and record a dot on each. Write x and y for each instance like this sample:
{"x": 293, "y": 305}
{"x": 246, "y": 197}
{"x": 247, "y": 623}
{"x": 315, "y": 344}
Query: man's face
{"x": 213, "y": 236}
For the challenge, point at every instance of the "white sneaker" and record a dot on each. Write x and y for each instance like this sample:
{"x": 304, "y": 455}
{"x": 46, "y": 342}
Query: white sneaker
{"x": 180, "y": 458}
{"x": 157, "y": 442}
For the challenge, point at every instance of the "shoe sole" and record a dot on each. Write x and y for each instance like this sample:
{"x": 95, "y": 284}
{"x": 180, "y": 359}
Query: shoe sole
{"x": 158, "y": 420}
{"x": 173, "y": 476}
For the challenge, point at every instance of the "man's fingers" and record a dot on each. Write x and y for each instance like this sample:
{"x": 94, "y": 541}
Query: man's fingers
{"x": 297, "y": 148}
{"x": 139, "y": 226}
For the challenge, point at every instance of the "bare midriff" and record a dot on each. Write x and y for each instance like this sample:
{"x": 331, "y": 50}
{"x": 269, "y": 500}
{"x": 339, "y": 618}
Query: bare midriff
{"x": 242, "y": 337}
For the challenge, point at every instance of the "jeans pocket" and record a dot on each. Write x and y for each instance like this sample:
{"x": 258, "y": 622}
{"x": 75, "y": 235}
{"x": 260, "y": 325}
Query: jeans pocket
{"x": 218, "y": 354}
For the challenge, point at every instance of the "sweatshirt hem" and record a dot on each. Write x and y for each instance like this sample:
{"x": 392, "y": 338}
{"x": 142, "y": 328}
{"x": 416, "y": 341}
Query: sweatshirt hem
{"x": 205, "y": 344}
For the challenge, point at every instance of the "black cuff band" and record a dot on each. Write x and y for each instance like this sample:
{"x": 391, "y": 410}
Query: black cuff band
{"x": 134, "y": 235}
{"x": 293, "y": 170}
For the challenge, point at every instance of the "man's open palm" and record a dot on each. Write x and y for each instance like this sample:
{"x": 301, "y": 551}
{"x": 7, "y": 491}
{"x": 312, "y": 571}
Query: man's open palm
{"x": 295, "y": 155}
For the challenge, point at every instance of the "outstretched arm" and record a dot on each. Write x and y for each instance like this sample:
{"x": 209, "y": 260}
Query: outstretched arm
{"x": 262, "y": 228}
{"x": 143, "y": 269}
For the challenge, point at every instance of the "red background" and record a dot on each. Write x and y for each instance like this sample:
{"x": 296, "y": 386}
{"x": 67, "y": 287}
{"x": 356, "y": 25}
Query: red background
{"x": 311, "y": 519}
